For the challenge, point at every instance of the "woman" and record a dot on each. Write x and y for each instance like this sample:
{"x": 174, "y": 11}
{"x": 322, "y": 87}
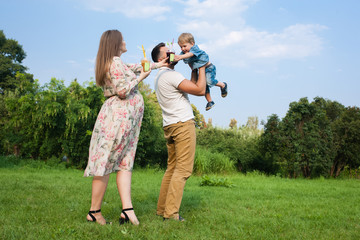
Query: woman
{"x": 116, "y": 131}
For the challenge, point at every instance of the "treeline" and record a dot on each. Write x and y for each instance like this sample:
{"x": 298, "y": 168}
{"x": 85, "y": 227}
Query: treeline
{"x": 54, "y": 121}
{"x": 319, "y": 138}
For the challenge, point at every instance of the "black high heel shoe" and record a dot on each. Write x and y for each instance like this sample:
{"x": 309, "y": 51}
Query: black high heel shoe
{"x": 93, "y": 217}
{"x": 126, "y": 219}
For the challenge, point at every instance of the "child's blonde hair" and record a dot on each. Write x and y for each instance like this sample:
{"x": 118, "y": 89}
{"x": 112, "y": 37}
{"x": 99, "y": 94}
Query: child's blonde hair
{"x": 186, "y": 38}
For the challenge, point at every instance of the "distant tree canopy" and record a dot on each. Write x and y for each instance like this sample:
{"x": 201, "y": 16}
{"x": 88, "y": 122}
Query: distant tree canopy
{"x": 233, "y": 123}
{"x": 313, "y": 139}
{"x": 199, "y": 118}
{"x": 11, "y": 57}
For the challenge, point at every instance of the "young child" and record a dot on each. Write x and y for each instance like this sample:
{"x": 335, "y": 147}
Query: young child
{"x": 195, "y": 57}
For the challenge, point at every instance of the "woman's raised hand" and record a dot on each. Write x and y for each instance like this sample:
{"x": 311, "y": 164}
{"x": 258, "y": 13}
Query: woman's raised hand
{"x": 143, "y": 74}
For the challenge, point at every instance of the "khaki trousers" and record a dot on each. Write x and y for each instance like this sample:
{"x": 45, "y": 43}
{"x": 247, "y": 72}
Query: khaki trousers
{"x": 181, "y": 143}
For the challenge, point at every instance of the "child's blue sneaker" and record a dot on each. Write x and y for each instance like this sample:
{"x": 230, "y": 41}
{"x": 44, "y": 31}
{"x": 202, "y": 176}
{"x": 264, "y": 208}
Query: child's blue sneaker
{"x": 224, "y": 90}
{"x": 209, "y": 105}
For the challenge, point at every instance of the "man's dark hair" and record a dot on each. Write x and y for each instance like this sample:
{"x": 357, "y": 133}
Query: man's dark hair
{"x": 156, "y": 52}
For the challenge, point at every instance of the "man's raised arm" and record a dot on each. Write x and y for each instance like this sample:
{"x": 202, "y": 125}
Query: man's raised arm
{"x": 192, "y": 86}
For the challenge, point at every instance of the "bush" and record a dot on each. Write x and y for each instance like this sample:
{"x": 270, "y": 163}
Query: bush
{"x": 215, "y": 181}
{"x": 56, "y": 121}
{"x": 211, "y": 162}
{"x": 52, "y": 120}
{"x": 151, "y": 150}
{"x": 350, "y": 173}
{"x": 9, "y": 161}
{"x": 239, "y": 145}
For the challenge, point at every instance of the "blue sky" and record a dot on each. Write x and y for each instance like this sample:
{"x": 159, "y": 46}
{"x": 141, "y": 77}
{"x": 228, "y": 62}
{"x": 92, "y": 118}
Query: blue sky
{"x": 270, "y": 52}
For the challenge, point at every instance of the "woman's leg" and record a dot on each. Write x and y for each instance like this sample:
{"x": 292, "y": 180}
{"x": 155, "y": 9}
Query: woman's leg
{"x": 123, "y": 181}
{"x": 99, "y": 185}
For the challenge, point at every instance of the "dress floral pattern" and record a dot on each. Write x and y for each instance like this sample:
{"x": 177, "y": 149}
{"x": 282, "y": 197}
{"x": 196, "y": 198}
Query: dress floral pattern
{"x": 117, "y": 127}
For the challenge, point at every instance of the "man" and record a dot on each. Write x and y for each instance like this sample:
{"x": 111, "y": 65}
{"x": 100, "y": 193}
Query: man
{"x": 171, "y": 90}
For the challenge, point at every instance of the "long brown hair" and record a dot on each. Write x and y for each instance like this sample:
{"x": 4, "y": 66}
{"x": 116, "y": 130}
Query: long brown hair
{"x": 109, "y": 47}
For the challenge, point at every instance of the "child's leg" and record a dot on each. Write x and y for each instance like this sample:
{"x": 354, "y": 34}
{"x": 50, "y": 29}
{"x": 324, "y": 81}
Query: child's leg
{"x": 208, "y": 97}
{"x": 220, "y": 84}
{"x": 210, "y": 102}
{"x": 211, "y": 80}
{"x": 207, "y": 94}
{"x": 223, "y": 88}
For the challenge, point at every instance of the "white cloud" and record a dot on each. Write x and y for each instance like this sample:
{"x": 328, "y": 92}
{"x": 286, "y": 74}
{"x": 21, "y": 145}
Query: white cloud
{"x": 221, "y": 29}
{"x": 130, "y": 8}
{"x": 296, "y": 41}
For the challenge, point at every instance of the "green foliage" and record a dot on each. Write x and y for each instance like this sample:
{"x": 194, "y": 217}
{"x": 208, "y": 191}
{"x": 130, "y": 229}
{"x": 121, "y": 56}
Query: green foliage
{"x": 270, "y": 144}
{"x": 350, "y": 173}
{"x": 215, "y": 181}
{"x": 11, "y": 57}
{"x": 198, "y": 117}
{"x": 52, "y": 120}
{"x": 346, "y": 130}
{"x": 56, "y": 121}
{"x": 9, "y": 161}
{"x": 211, "y": 162}
{"x": 308, "y": 139}
{"x": 81, "y": 108}
{"x": 151, "y": 150}
{"x": 239, "y": 145}
{"x": 313, "y": 139}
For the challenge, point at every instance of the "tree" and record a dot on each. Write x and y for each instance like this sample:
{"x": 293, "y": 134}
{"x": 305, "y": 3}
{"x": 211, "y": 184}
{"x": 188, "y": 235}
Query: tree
{"x": 233, "y": 123}
{"x": 309, "y": 131}
{"x": 239, "y": 145}
{"x": 270, "y": 144}
{"x": 209, "y": 124}
{"x": 11, "y": 57}
{"x": 199, "y": 118}
{"x": 347, "y": 141}
{"x": 151, "y": 148}
{"x": 15, "y": 114}
{"x": 252, "y": 122}
{"x": 12, "y": 75}
{"x": 317, "y": 138}
{"x": 52, "y": 120}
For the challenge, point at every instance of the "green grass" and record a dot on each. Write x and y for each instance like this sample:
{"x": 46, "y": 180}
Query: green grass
{"x": 37, "y": 202}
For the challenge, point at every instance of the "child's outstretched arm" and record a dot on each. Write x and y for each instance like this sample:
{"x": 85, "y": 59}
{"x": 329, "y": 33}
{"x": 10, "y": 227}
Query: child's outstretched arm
{"x": 183, "y": 56}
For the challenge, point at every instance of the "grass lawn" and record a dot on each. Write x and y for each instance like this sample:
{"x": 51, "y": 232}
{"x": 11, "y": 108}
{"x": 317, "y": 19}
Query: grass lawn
{"x": 48, "y": 203}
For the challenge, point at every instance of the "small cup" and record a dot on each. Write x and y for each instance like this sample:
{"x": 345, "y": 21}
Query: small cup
{"x": 171, "y": 56}
{"x": 145, "y": 64}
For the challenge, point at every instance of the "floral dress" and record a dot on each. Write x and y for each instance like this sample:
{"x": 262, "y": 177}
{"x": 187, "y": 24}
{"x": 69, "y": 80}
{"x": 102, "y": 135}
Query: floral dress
{"x": 117, "y": 127}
